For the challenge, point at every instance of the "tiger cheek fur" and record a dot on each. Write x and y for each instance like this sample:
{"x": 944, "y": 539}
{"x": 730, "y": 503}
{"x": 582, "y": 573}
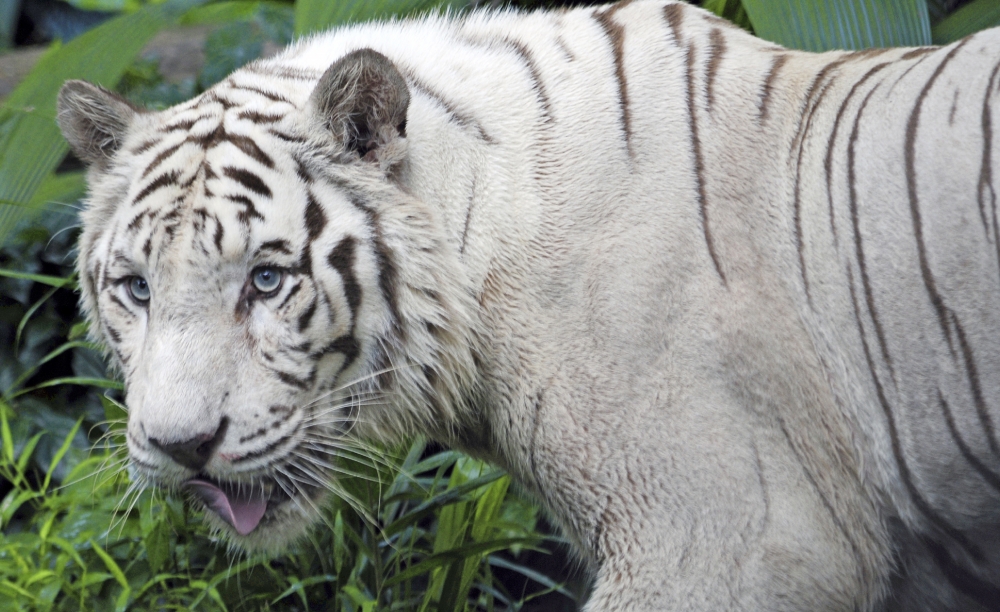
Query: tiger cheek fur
{"x": 727, "y": 310}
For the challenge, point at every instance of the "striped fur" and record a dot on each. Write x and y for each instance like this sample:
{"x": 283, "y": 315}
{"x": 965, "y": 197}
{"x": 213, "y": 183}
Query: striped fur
{"x": 728, "y": 310}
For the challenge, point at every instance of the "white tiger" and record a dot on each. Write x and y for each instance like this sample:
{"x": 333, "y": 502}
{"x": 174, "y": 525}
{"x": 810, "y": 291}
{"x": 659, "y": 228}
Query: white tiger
{"x": 729, "y": 311}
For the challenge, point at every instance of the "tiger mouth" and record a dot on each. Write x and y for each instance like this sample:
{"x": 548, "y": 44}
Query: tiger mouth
{"x": 243, "y": 505}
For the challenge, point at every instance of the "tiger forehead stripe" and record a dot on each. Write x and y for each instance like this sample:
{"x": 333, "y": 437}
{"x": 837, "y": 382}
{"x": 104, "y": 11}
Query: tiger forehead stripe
{"x": 248, "y": 179}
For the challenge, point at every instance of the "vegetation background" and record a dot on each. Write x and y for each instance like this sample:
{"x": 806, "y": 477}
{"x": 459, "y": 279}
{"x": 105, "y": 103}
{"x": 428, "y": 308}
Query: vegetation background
{"x": 422, "y": 528}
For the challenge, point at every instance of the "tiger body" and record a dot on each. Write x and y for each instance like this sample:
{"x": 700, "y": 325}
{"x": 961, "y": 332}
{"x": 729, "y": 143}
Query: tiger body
{"x": 722, "y": 307}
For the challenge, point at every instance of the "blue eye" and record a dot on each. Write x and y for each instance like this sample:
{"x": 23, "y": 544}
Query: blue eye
{"x": 138, "y": 288}
{"x": 267, "y": 279}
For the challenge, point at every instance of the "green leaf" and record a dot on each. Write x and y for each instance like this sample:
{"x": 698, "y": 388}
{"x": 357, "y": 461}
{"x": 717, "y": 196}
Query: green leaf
{"x": 59, "y": 192}
{"x": 822, "y": 25}
{"x": 974, "y": 16}
{"x": 6, "y": 435}
{"x": 317, "y": 15}
{"x": 52, "y": 281}
{"x": 157, "y": 546}
{"x": 27, "y": 450}
{"x": 61, "y": 453}
{"x": 458, "y": 554}
{"x": 30, "y": 143}
{"x": 59, "y": 350}
{"x": 111, "y": 565}
{"x": 102, "y": 383}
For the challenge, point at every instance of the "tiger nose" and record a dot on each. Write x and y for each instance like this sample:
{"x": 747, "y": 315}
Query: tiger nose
{"x": 194, "y": 452}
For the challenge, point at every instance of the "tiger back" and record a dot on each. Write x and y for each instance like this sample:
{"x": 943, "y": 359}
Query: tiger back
{"x": 727, "y": 310}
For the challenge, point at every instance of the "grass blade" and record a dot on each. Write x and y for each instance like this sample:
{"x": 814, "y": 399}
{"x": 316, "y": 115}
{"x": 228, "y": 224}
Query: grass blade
{"x": 974, "y": 16}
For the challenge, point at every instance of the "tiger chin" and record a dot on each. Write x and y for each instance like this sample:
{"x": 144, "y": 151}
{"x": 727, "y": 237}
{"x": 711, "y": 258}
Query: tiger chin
{"x": 727, "y": 310}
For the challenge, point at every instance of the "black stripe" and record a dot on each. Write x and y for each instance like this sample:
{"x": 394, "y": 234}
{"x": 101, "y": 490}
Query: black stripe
{"x": 716, "y": 49}
{"x": 117, "y": 302}
{"x": 674, "y": 14}
{"x": 616, "y": 35}
{"x": 249, "y": 210}
{"x": 521, "y": 50}
{"x": 182, "y": 125}
{"x": 831, "y": 143}
{"x": 162, "y": 155}
{"x": 342, "y": 259}
{"x": 468, "y": 216}
{"x": 259, "y": 117}
{"x": 467, "y": 122}
{"x": 315, "y": 217}
{"x": 219, "y": 232}
{"x": 699, "y": 163}
{"x": 111, "y": 331}
{"x": 301, "y": 170}
{"x": 897, "y": 450}
{"x": 248, "y": 146}
{"x": 797, "y": 192}
{"x": 909, "y": 153}
{"x": 986, "y": 473}
{"x": 292, "y": 380}
{"x": 146, "y": 145}
{"x": 307, "y": 315}
{"x": 291, "y": 293}
{"x": 275, "y": 245}
{"x": 765, "y": 96}
{"x": 248, "y": 179}
{"x": 164, "y": 180}
{"x": 972, "y": 373}
{"x": 988, "y": 595}
{"x": 986, "y": 168}
{"x": 286, "y": 136}
{"x": 858, "y": 248}
{"x": 270, "y": 95}
{"x": 345, "y": 345}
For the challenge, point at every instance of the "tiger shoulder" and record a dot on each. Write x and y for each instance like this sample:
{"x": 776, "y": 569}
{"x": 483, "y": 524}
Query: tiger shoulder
{"x": 729, "y": 311}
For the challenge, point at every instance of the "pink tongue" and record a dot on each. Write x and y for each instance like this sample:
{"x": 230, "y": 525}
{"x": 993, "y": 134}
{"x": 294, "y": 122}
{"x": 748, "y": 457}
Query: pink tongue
{"x": 243, "y": 511}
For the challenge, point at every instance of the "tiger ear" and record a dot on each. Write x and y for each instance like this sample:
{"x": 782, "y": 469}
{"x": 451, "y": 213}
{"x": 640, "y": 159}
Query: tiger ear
{"x": 362, "y": 99}
{"x": 93, "y": 120}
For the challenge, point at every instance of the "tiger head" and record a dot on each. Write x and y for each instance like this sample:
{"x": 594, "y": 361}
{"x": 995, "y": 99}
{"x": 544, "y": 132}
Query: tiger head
{"x": 266, "y": 287}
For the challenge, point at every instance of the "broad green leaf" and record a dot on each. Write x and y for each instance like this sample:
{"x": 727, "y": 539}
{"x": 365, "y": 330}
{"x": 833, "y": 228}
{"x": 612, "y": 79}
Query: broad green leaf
{"x": 60, "y": 192}
{"x": 317, "y": 15}
{"x": 157, "y": 546}
{"x": 822, "y": 25}
{"x": 221, "y": 12}
{"x": 974, "y": 16}
{"x": 30, "y": 143}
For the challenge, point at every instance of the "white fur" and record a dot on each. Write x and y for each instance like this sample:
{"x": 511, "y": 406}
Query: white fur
{"x": 649, "y": 357}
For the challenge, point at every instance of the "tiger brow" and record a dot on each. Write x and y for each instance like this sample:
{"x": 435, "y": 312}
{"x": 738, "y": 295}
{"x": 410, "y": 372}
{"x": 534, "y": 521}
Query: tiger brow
{"x": 280, "y": 246}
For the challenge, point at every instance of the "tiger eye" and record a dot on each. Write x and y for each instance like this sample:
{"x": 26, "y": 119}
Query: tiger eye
{"x": 138, "y": 288}
{"x": 267, "y": 279}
